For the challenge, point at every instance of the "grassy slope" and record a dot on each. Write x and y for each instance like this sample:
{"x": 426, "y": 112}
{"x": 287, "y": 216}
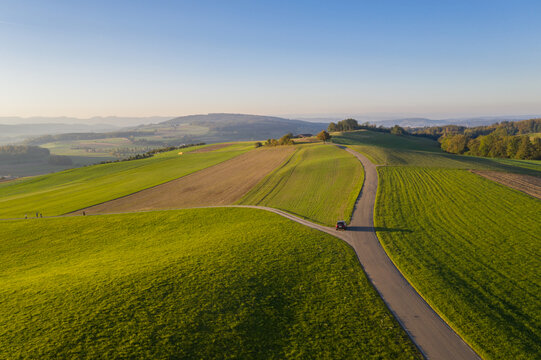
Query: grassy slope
{"x": 472, "y": 248}
{"x": 387, "y": 149}
{"x": 469, "y": 245}
{"x": 319, "y": 182}
{"x": 202, "y": 283}
{"x": 74, "y": 189}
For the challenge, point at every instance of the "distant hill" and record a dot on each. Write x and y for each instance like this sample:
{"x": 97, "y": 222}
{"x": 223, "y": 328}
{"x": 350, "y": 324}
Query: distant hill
{"x": 233, "y": 127}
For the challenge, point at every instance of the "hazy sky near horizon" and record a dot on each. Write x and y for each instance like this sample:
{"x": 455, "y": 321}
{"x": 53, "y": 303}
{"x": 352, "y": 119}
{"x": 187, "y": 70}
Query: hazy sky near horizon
{"x": 143, "y": 58}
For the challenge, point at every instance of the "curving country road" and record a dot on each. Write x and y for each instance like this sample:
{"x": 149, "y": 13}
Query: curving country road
{"x": 431, "y": 334}
{"x": 434, "y": 338}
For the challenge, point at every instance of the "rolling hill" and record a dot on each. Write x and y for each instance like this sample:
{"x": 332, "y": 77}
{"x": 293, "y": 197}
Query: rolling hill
{"x": 190, "y": 284}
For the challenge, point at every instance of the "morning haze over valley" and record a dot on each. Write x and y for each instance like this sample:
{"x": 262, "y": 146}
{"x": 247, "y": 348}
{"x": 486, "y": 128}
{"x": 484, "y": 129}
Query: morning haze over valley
{"x": 270, "y": 180}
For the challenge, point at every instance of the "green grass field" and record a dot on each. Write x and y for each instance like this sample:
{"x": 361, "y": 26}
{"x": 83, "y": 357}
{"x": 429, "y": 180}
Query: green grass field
{"x": 70, "y": 190}
{"x": 319, "y": 182}
{"x": 387, "y": 149}
{"x": 472, "y": 248}
{"x": 190, "y": 284}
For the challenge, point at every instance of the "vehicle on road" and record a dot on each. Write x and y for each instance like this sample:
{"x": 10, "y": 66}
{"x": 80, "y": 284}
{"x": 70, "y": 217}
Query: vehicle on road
{"x": 341, "y": 225}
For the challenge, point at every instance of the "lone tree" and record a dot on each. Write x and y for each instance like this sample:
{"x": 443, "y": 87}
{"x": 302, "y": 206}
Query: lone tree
{"x": 286, "y": 139}
{"x": 397, "y": 130}
{"x": 323, "y": 136}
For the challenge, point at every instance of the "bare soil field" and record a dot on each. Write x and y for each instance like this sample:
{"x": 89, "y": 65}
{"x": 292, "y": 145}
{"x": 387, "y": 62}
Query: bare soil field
{"x": 222, "y": 184}
{"x": 212, "y": 148}
{"x": 530, "y": 185}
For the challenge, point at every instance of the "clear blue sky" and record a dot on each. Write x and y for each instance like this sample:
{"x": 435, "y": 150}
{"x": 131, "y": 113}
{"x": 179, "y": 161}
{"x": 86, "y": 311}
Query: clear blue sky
{"x": 141, "y": 58}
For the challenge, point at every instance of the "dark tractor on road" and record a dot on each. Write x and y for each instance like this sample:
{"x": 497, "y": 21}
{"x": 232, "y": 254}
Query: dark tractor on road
{"x": 341, "y": 225}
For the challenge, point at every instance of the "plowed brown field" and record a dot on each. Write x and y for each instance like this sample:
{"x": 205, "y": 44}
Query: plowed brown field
{"x": 531, "y": 185}
{"x": 221, "y": 184}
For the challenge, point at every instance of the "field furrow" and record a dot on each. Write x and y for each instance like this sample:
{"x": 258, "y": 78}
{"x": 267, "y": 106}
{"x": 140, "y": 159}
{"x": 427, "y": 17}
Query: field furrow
{"x": 530, "y": 185}
{"x": 319, "y": 182}
{"x": 472, "y": 249}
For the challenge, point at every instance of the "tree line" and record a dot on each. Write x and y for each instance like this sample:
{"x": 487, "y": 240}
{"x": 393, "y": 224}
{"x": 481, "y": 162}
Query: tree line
{"x": 501, "y": 140}
{"x": 152, "y": 152}
{"x": 507, "y": 139}
{"x": 352, "y": 124}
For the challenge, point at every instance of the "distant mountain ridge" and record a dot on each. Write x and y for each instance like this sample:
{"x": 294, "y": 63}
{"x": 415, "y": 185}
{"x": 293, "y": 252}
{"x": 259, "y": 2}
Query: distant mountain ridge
{"x": 233, "y": 127}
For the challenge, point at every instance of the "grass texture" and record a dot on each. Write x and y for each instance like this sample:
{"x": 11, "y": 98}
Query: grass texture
{"x": 319, "y": 182}
{"x": 472, "y": 248}
{"x": 190, "y": 284}
{"x": 404, "y": 150}
{"x": 70, "y": 190}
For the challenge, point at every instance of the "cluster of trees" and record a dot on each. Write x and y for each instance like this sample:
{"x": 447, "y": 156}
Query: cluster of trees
{"x": 352, "y": 124}
{"x": 493, "y": 145}
{"x": 287, "y": 139}
{"x": 502, "y": 140}
{"x": 344, "y": 125}
{"x": 504, "y": 128}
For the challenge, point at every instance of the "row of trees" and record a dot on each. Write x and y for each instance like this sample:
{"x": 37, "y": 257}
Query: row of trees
{"x": 152, "y": 152}
{"x": 502, "y": 140}
{"x": 504, "y": 128}
{"x": 493, "y": 145}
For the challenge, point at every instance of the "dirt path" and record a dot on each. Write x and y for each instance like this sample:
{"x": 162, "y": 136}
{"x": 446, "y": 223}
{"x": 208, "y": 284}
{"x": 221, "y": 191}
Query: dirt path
{"x": 221, "y": 184}
{"x": 530, "y": 185}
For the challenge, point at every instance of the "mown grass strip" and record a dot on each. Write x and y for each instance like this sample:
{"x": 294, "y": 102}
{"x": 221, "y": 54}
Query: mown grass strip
{"x": 201, "y": 283}
{"x": 319, "y": 182}
{"x": 74, "y": 189}
{"x": 471, "y": 247}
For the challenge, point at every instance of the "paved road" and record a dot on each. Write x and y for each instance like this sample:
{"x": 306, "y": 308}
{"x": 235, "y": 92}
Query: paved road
{"x": 431, "y": 334}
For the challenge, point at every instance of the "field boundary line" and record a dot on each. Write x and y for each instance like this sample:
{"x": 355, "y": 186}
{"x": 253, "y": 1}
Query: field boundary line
{"x": 267, "y": 178}
{"x": 154, "y": 186}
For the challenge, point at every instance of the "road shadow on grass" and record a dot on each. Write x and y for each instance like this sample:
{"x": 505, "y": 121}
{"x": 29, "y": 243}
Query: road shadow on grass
{"x": 377, "y": 228}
